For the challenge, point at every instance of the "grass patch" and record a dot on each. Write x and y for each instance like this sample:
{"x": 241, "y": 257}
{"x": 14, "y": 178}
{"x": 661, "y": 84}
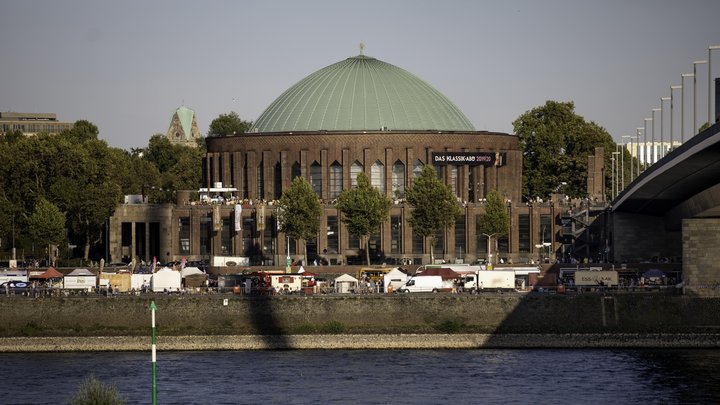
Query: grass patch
{"x": 30, "y": 329}
{"x": 332, "y": 327}
{"x": 305, "y": 329}
{"x": 450, "y": 326}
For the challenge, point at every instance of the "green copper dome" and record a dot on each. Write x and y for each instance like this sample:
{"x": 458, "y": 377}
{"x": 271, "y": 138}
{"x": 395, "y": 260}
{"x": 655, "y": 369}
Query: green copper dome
{"x": 361, "y": 94}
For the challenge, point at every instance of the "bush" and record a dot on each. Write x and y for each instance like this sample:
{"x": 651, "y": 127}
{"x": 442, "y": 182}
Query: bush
{"x": 332, "y": 327}
{"x": 94, "y": 392}
{"x": 450, "y": 326}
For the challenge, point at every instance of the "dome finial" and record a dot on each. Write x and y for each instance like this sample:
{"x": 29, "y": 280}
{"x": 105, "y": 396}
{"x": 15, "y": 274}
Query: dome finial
{"x": 362, "y": 47}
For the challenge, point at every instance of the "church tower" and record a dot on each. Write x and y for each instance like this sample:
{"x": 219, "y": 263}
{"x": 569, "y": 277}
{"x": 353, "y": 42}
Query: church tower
{"x": 183, "y": 128}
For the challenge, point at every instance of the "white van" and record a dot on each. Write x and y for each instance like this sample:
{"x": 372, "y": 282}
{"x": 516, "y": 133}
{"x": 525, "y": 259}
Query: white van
{"x": 422, "y": 284}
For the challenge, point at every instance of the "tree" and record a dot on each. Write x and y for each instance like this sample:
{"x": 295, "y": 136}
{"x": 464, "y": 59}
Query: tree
{"x": 178, "y": 167}
{"x": 556, "y": 144}
{"x": 363, "y": 209}
{"x": 495, "y": 222}
{"x": 228, "y": 124}
{"x": 299, "y": 211}
{"x": 46, "y": 225}
{"x": 434, "y": 205}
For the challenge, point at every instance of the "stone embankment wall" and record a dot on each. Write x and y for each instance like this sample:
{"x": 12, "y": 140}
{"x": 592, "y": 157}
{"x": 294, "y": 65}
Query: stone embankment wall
{"x": 422, "y": 321}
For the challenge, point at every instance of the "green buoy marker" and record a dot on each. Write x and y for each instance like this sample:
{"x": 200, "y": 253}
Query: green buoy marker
{"x": 153, "y": 308}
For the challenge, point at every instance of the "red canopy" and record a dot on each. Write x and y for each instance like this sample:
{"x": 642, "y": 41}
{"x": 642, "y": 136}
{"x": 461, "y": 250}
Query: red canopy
{"x": 50, "y": 273}
{"x": 445, "y": 273}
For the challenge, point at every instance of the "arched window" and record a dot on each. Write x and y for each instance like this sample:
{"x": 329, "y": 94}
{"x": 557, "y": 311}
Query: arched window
{"x": 377, "y": 176}
{"x": 417, "y": 169}
{"x": 336, "y": 179}
{"x": 316, "y": 178}
{"x": 355, "y": 169}
{"x": 295, "y": 171}
{"x": 398, "y": 179}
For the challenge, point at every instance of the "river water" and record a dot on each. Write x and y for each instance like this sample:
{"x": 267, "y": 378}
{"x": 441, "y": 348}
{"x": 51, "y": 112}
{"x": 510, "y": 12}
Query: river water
{"x": 373, "y": 377}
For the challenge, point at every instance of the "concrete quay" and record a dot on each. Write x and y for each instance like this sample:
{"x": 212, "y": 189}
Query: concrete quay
{"x": 361, "y": 342}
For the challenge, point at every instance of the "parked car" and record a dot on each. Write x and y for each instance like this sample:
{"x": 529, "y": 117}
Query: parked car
{"x": 14, "y": 287}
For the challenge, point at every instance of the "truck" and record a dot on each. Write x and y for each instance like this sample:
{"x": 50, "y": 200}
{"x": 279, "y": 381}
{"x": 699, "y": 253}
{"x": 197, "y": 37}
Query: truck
{"x": 489, "y": 280}
{"x": 609, "y": 278}
{"x": 422, "y": 284}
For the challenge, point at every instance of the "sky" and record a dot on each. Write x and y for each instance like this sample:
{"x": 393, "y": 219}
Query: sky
{"x": 127, "y": 65}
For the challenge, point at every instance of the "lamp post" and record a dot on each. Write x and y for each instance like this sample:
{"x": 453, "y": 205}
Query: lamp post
{"x": 644, "y": 153}
{"x": 695, "y": 63}
{"x": 654, "y": 110}
{"x": 623, "y": 161}
{"x": 637, "y": 149}
{"x": 682, "y": 109}
{"x": 662, "y": 126}
{"x": 672, "y": 127}
{"x": 13, "y": 237}
{"x": 710, "y": 49}
{"x": 613, "y": 159}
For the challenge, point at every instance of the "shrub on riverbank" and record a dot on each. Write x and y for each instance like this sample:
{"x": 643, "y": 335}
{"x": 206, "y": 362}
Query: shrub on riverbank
{"x": 94, "y": 392}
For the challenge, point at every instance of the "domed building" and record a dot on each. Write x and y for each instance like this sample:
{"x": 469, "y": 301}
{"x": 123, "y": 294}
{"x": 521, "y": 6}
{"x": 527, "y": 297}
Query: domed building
{"x": 358, "y": 115}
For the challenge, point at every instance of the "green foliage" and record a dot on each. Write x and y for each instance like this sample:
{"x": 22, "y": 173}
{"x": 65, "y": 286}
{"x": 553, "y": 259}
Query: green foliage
{"x": 85, "y": 179}
{"x": 299, "y": 210}
{"x": 228, "y": 124}
{"x": 46, "y": 224}
{"x": 94, "y": 392}
{"x": 435, "y": 207}
{"x": 496, "y": 220}
{"x": 556, "y": 144}
{"x": 333, "y": 327}
{"x": 305, "y": 329}
{"x": 450, "y": 326}
{"x": 176, "y": 167}
{"x": 363, "y": 209}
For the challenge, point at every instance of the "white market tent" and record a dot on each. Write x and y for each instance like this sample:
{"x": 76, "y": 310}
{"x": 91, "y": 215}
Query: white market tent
{"x": 79, "y": 279}
{"x": 189, "y": 271}
{"x": 345, "y": 283}
{"x": 394, "y": 279}
{"x": 137, "y": 281}
{"x": 166, "y": 279}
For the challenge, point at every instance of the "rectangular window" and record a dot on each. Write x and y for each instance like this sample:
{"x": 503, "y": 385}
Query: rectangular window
{"x": 293, "y": 246}
{"x": 524, "y": 233}
{"x": 206, "y": 235}
{"x": 269, "y": 235}
{"x": 439, "y": 243}
{"x": 481, "y": 241}
{"x": 316, "y": 178}
{"x": 332, "y": 234}
{"x": 418, "y": 243}
{"x": 184, "y": 236}
{"x": 353, "y": 242}
{"x": 226, "y": 236}
{"x": 248, "y": 234}
{"x": 395, "y": 234}
{"x": 503, "y": 244}
{"x": 374, "y": 246}
{"x": 546, "y": 234}
{"x": 261, "y": 181}
{"x": 453, "y": 179}
{"x": 460, "y": 241}
{"x": 336, "y": 178}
